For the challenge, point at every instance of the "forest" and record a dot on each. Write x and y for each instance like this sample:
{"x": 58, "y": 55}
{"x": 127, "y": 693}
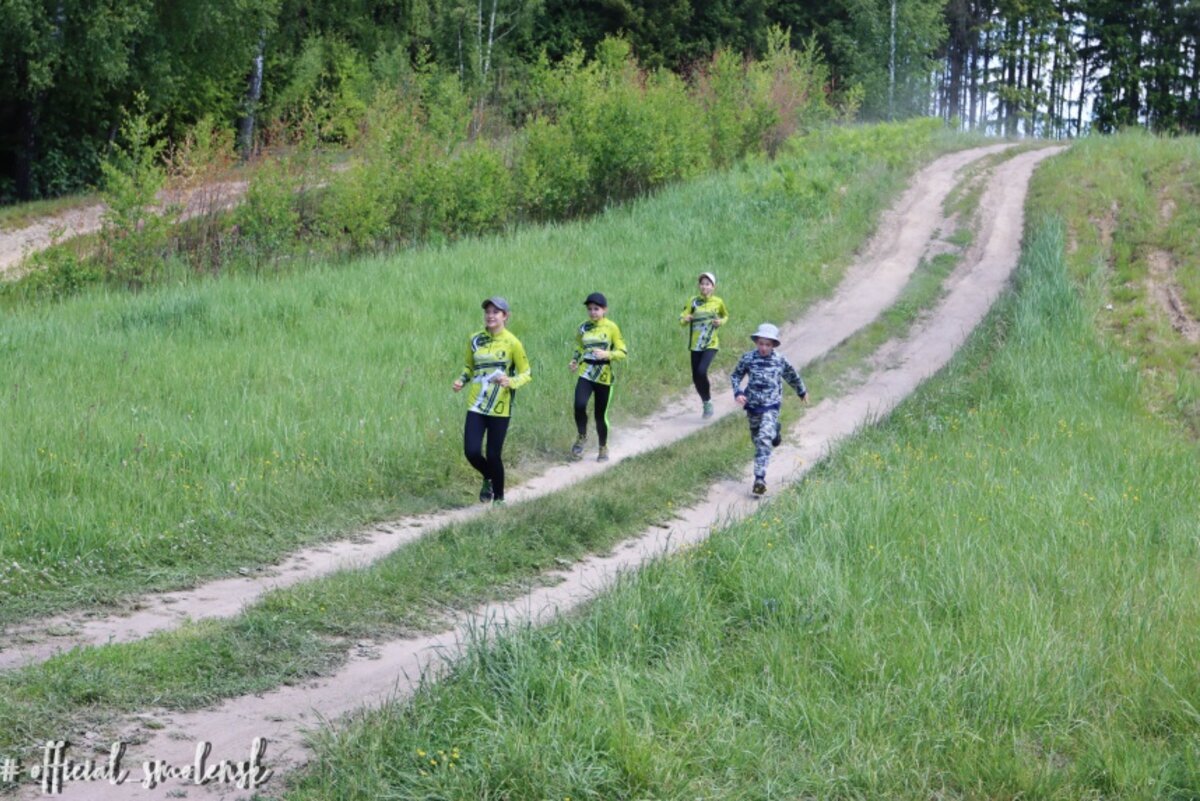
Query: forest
{"x": 72, "y": 70}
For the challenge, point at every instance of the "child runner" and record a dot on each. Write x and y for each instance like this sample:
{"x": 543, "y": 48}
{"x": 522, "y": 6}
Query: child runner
{"x": 495, "y": 367}
{"x": 704, "y": 314}
{"x": 767, "y": 370}
{"x": 597, "y": 345}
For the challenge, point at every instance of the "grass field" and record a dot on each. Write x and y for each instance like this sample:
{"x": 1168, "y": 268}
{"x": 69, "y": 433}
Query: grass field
{"x": 156, "y": 438}
{"x": 991, "y": 594}
{"x": 295, "y": 634}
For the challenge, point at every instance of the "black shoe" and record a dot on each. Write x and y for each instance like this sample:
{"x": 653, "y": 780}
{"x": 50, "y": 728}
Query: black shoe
{"x": 485, "y": 492}
{"x": 778, "y": 439}
{"x": 760, "y": 486}
{"x": 577, "y": 448}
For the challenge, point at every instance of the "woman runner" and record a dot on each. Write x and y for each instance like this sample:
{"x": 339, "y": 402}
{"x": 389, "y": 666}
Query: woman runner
{"x": 495, "y": 367}
{"x": 704, "y": 314}
{"x": 598, "y": 344}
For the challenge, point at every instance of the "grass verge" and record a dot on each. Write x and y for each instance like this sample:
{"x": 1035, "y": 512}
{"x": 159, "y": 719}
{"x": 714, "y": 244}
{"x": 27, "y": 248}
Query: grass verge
{"x": 1132, "y": 208}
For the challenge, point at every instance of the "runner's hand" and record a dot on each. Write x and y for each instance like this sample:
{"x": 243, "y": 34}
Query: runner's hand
{"x": 573, "y": 366}
{"x": 501, "y": 380}
{"x": 741, "y": 400}
{"x": 458, "y": 385}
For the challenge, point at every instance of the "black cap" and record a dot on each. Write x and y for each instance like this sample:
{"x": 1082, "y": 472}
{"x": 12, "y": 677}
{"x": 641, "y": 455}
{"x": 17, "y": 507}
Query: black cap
{"x": 597, "y": 298}
{"x": 497, "y": 301}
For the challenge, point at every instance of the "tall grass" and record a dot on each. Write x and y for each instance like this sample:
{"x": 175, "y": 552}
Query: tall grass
{"x": 151, "y": 439}
{"x": 1136, "y": 200}
{"x": 992, "y": 594}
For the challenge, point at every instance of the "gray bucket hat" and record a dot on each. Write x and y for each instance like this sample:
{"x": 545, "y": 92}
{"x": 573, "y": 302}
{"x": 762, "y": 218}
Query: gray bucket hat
{"x": 766, "y": 331}
{"x": 497, "y": 301}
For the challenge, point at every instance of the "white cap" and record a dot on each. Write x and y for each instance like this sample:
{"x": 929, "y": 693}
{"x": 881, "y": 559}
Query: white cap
{"x": 711, "y": 278}
{"x": 766, "y": 331}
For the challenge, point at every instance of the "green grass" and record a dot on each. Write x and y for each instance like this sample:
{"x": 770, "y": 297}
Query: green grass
{"x": 306, "y": 630}
{"x": 151, "y": 440}
{"x": 992, "y": 594}
{"x": 295, "y": 634}
{"x": 1125, "y": 198}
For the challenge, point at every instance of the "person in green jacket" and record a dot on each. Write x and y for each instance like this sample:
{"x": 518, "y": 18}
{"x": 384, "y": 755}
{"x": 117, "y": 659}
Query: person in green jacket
{"x": 703, "y": 315}
{"x": 495, "y": 367}
{"x": 598, "y": 344}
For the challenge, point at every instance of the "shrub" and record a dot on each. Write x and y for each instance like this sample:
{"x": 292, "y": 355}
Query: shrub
{"x": 267, "y": 219}
{"x": 551, "y": 175}
{"x": 467, "y": 194}
{"x": 134, "y": 230}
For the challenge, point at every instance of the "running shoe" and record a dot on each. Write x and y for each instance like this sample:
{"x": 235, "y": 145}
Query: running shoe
{"x": 760, "y": 486}
{"x": 603, "y": 456}
{"x": 485, "y": 492}
{"x": 577, "y": 448}
{"x": 778, "y": 439}
{"x": 708, "y": 410}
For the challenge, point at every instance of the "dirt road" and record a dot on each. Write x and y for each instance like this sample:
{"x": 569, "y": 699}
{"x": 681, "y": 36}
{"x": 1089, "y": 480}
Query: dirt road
{"x": 18, "y": 244}
{"x": 906, "y": 234}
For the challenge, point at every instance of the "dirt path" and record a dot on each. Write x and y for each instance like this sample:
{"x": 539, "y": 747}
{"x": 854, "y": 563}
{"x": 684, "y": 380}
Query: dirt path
{"x": 17, "y": 245}
{"x": 907, "y": 233}
{"x": 394, "y": 668}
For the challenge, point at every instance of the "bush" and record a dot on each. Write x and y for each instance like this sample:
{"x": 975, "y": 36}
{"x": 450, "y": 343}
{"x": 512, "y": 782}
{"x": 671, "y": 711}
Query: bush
{"x": 135, "y": 230}
{"x": 267, "y": 219}
{"x": 359, "y": 205}
{"x": 468, "y": 194}
{"x": 551, "y": 175}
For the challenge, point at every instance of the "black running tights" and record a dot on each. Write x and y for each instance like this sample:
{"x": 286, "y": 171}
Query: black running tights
{"x": 701, "y": 359}
{"x": 583, "y": 391}
{"x": 490, "y": 466}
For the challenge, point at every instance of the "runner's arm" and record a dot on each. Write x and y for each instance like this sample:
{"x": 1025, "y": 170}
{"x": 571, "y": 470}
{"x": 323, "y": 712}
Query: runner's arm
{"x": 520, "y": 365}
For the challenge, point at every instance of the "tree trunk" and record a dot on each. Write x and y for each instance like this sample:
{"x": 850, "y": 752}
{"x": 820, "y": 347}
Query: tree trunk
{"x": 1083, "y": 81}
{"x": 253, "y": 96}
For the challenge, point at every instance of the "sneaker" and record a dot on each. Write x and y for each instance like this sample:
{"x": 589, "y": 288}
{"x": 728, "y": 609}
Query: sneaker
{"x": 485, "y": 492}
{"x": 603, "y": 455}
{"x": 760, "y": 486}
{"x": 778, "y": 439}
{"x": 708, "y": 410}
{"x": 577, "y": 448}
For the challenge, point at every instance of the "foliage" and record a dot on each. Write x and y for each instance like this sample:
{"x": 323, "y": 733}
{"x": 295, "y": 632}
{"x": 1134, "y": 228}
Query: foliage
{"x": 267, "y": 219}
{"x": 135, "y": 230}
{"x": 552, "y": 177}
{"x": 327, "y": 91}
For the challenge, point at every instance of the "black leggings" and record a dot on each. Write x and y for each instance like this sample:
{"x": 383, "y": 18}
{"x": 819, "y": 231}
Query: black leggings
{"x": 583, "y": 391}
{"x": 701, "y": 359}
{"x": 491, "y": 467}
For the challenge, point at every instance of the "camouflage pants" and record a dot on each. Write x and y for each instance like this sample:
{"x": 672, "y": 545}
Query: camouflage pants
{"x": 763, "y": 428}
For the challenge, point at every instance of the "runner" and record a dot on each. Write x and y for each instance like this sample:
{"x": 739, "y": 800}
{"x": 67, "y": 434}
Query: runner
{"x": 704, "y": 314}
{"x": 597, "y": 345}
{"x": 763, "y": 396}
{"x": 495, "y": 367}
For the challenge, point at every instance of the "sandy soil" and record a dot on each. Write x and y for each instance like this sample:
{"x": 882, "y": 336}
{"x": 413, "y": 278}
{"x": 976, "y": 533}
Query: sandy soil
{"x": 383, "y": 671}
{"x": 17, "y": 245}
{"x": 1167, "y": 294}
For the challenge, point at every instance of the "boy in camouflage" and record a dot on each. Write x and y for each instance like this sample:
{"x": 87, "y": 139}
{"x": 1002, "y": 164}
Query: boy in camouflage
{"x": 763, "y": 395}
